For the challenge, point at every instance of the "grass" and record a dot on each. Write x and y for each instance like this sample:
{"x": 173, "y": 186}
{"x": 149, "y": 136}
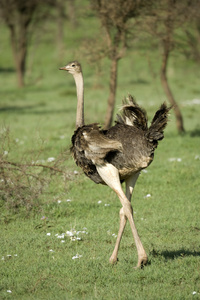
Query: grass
{"x": 43, "y": 115}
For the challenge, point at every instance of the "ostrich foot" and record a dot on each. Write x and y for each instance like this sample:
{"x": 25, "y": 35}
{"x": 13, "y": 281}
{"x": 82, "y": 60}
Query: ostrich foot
{"x": 113, "y": 259}
{"x": 142, "y": 261}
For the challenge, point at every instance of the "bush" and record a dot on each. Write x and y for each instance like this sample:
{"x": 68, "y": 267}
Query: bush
{"x": 21, "y": 183}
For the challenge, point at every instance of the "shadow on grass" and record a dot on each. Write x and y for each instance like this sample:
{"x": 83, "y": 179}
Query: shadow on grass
{"x": 140, "y": 81}
{"x": 31, "y": 109}
{"x": 15, "y": 108}
{"x": 195, "y": 132}
{"x": 7, "y": 70}
{"x": 175, "y": 254}
{"x": 179, "y": 253}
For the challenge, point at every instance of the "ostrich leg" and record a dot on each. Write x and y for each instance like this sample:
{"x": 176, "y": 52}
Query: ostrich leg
{"x": 110, "y": 175}
{"x": 122, "y": 225}
{"x": 130, "y": 183}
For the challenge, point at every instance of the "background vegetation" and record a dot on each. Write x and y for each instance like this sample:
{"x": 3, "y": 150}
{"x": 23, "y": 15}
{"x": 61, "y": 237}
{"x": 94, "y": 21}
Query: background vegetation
{"x": 58, "y": 228}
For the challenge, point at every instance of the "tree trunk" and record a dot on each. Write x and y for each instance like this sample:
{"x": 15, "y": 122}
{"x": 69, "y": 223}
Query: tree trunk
{"x": 168, "y": 92}
{"x": 113, "y": 88}
{"x": 21, "y": 68}
{"x": 72, "y": 14}
{"x": 19, "y": 49}
{"x": 60, "y": 5}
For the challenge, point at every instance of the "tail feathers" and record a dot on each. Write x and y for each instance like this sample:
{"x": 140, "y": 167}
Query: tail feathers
{"x": 132, "y": 114}
{"x": 158, "y": 124}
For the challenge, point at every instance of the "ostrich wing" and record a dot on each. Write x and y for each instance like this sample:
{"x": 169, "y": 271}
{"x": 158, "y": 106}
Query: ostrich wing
{"x": 95, "y": 145}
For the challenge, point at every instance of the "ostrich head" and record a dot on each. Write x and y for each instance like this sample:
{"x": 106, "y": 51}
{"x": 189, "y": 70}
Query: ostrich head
{"x": 73, "y": 67}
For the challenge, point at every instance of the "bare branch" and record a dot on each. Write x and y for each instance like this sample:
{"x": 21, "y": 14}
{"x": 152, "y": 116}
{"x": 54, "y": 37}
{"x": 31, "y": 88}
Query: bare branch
{"x": 29, "y": 165}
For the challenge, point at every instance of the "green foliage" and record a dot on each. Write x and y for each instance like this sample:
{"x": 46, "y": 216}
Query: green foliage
{"x": 43, "y": 113}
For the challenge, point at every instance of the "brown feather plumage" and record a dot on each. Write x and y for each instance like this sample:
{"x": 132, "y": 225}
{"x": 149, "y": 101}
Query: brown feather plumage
{"x": 129, "y": 148}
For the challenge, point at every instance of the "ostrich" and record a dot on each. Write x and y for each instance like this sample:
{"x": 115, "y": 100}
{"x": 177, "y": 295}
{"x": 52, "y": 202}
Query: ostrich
{"x": 118, "y": 154}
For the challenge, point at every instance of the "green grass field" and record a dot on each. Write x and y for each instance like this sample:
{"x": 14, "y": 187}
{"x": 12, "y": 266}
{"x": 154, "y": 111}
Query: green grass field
{"x": 61, "y": 248}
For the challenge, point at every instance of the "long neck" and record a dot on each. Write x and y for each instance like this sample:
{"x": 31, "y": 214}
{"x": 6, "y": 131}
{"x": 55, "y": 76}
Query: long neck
{"x": 80, "y": 99}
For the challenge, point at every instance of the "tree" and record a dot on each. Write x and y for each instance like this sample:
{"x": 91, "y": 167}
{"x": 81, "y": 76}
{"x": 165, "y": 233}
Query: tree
{"x": 60, "y": 9}
{"x": 114, "y": 17}
{"x": 65, "y": 9}
{"x": 162, "y": 22}
{"x": 193, "y": 32}
{"x": 18, "y": 16}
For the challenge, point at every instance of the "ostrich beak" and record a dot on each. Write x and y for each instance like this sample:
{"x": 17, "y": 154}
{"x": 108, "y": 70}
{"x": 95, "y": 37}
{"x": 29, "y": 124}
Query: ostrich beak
{"x": 63, "y": 68}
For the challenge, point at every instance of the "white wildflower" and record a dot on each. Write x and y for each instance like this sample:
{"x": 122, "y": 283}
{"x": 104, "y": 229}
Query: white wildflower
{"x": 76, "y": 256}
{"x": 194, "y": 293}
{"x": 61, "y": 236}
{"x": 75, "y": 172}
{"x": 107, "y": 204}
{"x": 99, "y": 202}
{"x": 40, "y": 161}
{"x": 178, "y": 159}
{"x": 50, "y": 159}
{"x": 48, "y": 233}
{"x": 147, "y": 196}
{"x": 59, "y": 201}
{"x": 69, "y": 233}
{"x": 9, "y": 291}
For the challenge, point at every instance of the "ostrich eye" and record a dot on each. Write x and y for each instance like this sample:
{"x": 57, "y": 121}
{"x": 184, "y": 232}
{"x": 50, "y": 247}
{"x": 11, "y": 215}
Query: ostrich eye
{"x": 73, "y": 65}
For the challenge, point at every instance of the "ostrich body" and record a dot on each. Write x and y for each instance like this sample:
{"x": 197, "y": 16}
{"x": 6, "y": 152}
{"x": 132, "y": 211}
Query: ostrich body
{"x": 118, "y": 154}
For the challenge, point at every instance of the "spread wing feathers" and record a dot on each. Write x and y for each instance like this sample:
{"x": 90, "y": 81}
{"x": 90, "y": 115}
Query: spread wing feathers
{"x": 132, "y": 114}
{"x": 158, "y": 124}
{"x": 90, "y": 142}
